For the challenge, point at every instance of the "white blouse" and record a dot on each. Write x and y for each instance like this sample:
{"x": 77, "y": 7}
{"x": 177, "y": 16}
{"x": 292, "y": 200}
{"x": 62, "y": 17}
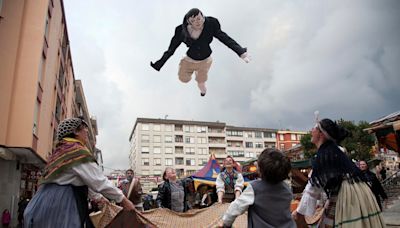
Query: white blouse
{"x": 309, "y": 200}
{"x": 89, "y": 174}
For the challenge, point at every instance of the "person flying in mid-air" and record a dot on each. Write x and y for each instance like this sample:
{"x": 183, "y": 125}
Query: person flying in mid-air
{"x": 197, "y": 32}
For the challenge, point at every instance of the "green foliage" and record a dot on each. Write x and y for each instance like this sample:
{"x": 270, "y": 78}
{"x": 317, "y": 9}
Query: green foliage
{"x": 359, "y": 144}
{"x": 309, "y": 148}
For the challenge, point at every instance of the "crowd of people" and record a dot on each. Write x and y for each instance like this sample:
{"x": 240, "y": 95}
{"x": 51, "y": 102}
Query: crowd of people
{"x": 351, "y": 194}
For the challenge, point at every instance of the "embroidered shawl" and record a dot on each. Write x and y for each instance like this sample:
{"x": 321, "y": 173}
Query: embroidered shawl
{"x": 68, "y": 153}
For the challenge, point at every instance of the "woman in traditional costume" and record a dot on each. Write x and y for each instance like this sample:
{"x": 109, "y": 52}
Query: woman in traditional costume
{"x": 229, "y": 181}
{"x": 70, "y": 175}
{"x": 197, "y": 32}
{"x": 350, "y": 201}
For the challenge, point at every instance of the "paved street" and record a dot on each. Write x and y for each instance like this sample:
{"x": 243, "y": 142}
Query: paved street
{"x": 392, "y": 215}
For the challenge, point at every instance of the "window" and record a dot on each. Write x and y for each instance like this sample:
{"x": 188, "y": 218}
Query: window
{"x": 299, "y": 137}
{"x": 178, "y": 138}
{"x": 282, "y": 146}
{"x": 64, "y": 44}
{"x": 248, "y": 135}
{"x": 267, "y": 134}
{"x": 157, "y": 161}
{"x": 145, "y": 138}
{"x": 235, "y": 153}
{"x": 259, "y": 145}
{"x": 157, "y": 172}
{"x": 178, "y": 161}
{"x": 145, "y": 162}
{"x": 168, "y": 161}
{"x": 157, "y": 138}
{"x": 157, "y": 127}
{"x": 168, "y": 127}
{"x": 292, "y": 136}
{"x": 249, "y": 145}
{"x": 190, "y": 161}
{"x": 168, "y": 139}
{"x": 281, "y": 137}
{"x": 201, "y": 129}
{"x": 187, "y": 128}
{"x": 157, "y": 150}
{"x": 58, "y": 109}
{"x": 189, "y": 139}
{"x": 189, "y": 150}
{"x": 145, "y": 150}
{"x": 203, "y": 151}
{"x": 202, "y": 161}
{"x": 145, "y": 127}
{"x": 201, "y": 140}
{"x": 190, "y": 172}
{"x": 36, "y": 117}
{"x": 42, "y": 68}
{"x": 179, "y": 150}
{"x": 258, "y": 134}
{"x": 47, "y": 27}
{"x": 249, "y": 154}
{"x": 168, "y": 150}
{"x": 234, "y": 133}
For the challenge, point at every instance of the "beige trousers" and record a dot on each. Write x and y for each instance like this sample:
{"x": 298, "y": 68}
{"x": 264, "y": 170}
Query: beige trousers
{"x": 200, "y": 68}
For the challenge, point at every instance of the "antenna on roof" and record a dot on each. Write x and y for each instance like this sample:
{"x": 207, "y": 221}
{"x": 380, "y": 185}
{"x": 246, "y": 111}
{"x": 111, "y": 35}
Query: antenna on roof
{"x": 166, "y": 116}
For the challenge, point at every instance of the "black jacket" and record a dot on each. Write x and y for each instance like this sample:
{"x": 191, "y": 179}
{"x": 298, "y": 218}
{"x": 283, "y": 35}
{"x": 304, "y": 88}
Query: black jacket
{"x": 164, "y": 196}
{"x": 199, "y": 49}
{"x": 375, "y": 185}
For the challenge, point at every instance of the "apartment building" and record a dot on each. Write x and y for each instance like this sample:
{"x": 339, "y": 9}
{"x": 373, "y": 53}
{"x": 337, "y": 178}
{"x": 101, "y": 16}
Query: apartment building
{"x": 187, "y": 145}
{"x": 37, "y": 90}
{"x": 287, "y": 139}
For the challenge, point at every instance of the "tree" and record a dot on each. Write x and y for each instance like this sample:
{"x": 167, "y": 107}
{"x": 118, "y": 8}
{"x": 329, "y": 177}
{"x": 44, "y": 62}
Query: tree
{"x": 359, "y": 144}
{"x": 309, "y": 148}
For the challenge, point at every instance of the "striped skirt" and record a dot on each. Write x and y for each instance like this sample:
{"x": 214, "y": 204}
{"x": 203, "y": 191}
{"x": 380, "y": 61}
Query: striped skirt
{"x": 52, "y": 206}
{"x": 354, "y": 207}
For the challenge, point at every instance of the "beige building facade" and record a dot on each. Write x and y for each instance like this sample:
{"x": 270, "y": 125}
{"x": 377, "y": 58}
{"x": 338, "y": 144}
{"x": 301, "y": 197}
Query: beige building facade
{"x": 187, "y": 145}
{"x": 37, "y": 90}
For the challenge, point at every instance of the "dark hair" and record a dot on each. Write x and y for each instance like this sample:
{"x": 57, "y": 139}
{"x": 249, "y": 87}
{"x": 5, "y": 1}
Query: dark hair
{"x": 337, "y": 132}
{"x": 274, "y": 166}
{"x": 129, "y": 170}
{"x": 189, "y": 14}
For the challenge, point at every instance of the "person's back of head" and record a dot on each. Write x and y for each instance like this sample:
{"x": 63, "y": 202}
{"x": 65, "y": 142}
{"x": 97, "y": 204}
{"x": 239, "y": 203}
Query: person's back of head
{"x": 274, "y": 166}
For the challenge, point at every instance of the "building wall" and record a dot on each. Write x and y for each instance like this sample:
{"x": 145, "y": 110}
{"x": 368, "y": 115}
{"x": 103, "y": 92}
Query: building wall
{"x": 37, "y": 89}
{"x": 192, "y": 142}
{"x": 31, "y": 56}
{"x": 288, "y": 139}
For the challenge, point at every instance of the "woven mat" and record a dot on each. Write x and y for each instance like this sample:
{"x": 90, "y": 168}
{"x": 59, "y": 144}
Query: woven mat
{"x": 206, "y": 217}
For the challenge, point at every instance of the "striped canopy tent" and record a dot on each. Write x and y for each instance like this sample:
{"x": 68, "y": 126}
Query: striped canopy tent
{"x": 208, "y": 174}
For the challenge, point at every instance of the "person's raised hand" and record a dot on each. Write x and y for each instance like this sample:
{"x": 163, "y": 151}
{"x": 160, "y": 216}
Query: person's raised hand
{"x": 246, "y": 57}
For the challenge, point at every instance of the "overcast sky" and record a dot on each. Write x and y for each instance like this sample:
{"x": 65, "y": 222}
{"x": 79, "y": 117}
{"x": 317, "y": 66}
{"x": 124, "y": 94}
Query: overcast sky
{"x": 339, "y": 57}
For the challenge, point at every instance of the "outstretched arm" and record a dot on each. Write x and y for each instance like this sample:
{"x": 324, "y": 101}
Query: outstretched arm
{"x": 227, "y": 40}
{"x": 174, "y": 44}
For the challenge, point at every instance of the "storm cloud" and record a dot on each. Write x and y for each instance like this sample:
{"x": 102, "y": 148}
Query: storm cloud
{"x": 339, "y": 57}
